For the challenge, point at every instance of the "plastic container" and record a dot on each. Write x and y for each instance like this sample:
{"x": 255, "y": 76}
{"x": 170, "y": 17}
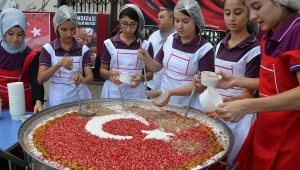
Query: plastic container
{"x": 16, "y": 117}
{"x": 209, "y": 78}
{"x": 125, "y": 79}
{"x": 24, "y": 117}
{"x": 160, "y": 98}
{"x": 210, "y": 99}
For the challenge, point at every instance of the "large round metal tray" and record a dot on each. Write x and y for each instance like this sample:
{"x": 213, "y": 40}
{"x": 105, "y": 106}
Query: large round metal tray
{"x": 218, "y": 126}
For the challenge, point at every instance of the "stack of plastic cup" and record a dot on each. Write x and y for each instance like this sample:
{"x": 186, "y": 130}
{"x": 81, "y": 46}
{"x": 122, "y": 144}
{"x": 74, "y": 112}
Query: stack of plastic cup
{"x": 16, "y": 97}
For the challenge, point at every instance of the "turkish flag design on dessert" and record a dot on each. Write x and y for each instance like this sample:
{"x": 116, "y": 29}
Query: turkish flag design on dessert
{"x": 134, "y": 138}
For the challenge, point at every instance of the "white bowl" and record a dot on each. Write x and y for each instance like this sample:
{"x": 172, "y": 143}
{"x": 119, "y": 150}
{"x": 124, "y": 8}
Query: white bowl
{"x": 209, "y": 78}
{"x": 210, "y": 99}
{"x": 160, "y": 98}
{"x": 24, "y": 117}
{"x": 125, "y": 79}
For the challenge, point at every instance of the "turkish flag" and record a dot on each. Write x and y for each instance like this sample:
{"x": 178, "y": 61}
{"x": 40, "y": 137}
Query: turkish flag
{"x": 38, "y": 30}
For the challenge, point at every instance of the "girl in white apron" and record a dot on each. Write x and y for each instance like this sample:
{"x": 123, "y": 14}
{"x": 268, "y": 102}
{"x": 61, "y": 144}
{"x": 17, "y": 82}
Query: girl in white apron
{"x": 239, "y": 57}
{"x": 183, "y": 54}
{"x": 64, "y": 60}
{"x": 120, "y": 56}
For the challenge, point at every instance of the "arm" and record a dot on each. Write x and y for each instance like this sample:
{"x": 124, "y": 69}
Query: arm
{"x": 45, "y": 72}
{"x": 149, "y": 74}
{"x": 152, "y": 64}
{"x": 37, "y": 89}
{"x": 246, "y": 93}
{"x": 109, "y": 74}
{"x": 233, "y": 111}
{"x": 229, "y": 81}
{"x": 88, "y": 77}
{"x": 182, "y": 91}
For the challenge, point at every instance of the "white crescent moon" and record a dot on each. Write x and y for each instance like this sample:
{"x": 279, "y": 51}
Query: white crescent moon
{"x": 95, "y": 125}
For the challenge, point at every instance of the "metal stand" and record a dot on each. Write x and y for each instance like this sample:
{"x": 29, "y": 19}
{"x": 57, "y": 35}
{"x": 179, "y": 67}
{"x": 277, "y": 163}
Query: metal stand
{"x": 12, "y": 159}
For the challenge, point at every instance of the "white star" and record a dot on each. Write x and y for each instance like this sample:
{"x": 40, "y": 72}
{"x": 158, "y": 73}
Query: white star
{"x": 36, "y": 32}
{"x": 158, "y": 134}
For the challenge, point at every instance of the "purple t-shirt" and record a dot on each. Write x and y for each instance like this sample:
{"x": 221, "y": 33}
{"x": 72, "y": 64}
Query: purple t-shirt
{"x": 119, "y": 44}
{"x": 285, "y": 39}
{"x": 13, "y": 61}
{"x": 236, "y": 53}
{"x": 206, "y": 63}
{"x": 76, "y": 50}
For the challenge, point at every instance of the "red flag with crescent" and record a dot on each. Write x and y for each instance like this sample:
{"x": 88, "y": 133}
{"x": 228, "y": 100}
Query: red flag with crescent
{"x": 38, "y": 30}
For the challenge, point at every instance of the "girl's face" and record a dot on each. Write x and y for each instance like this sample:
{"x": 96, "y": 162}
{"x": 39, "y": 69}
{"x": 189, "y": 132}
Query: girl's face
{"x": 236, "y": 15}
{"x": 185, "y": 26}
{"x": 128, "y": 26}
{"x": 14, "y": 36}
{"x": 66, "y": 31}
{"x": 268, "y": 14}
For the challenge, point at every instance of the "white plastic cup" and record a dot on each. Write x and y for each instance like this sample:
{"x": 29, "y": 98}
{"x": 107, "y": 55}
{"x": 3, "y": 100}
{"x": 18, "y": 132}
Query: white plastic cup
{"x": 16, "y": 117}
{"x": 125, "y": 79}
{"x": 210, "y": 99}
{"x": 16, "y": 97}
{"x": 209, "y": 78}
{"x": 160, "y": 98}
{"x": 24, "y": 117}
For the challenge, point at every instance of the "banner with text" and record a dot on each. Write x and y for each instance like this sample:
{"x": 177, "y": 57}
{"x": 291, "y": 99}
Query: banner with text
{"x": 86, "y": 32}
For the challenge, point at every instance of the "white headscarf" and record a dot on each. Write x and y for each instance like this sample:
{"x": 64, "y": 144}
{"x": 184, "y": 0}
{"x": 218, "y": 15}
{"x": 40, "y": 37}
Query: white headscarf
{"x": 9, "y": 18}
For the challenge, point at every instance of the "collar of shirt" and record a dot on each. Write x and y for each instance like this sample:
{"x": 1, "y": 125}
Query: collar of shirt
{"x": 196, "y": 41}
{"x": 75, "y": 46}
{"x": 164, "y": 38}
{"x": 286, "y": 26}
{"x": 117, "y": 38}
{"x": 247, "y": 41}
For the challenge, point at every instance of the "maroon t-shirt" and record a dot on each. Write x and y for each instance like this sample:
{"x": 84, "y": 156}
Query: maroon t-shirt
{"x": 119, "y": 44}
{"x": 236, "y": 53}
{"x": 206, "y": 63}
{"x": 76, "y": 50}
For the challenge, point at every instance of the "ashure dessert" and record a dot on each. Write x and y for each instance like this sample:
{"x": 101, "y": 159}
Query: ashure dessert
{"x": 131, "y": 138}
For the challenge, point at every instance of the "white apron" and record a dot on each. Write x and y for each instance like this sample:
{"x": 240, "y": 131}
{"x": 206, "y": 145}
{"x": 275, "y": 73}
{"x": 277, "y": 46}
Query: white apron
{"x": 180, "y": 68}
{"x": 62, "y": 87}
{"x": 128, "y": 63}
{"x": 155, "y": 40}
{"x": 240, "y": 129}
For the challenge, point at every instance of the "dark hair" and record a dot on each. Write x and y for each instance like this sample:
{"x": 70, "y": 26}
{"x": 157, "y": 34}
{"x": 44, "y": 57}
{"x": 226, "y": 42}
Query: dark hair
{"x": 197, "y": 29}
{"x": 132, "y": 14}
{"x": 169, "y": 11}
{"x": 223, "y": 4}
{"x": 252, "y": 27}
